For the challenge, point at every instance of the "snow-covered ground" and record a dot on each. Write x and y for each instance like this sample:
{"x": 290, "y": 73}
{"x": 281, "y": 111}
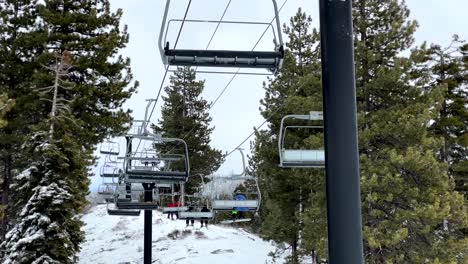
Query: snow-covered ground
{"x": 119, "y": 239}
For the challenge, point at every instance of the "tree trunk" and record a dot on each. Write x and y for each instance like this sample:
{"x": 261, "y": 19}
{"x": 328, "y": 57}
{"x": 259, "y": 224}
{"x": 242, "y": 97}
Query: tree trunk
{"x": 5, "y": 193}
{"x": 294, "y": 251}
{"x": 314, "y": 257}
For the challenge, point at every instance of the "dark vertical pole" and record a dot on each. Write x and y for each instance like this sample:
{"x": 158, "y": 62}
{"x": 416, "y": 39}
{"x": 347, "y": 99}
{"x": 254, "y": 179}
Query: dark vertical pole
{"x": 342, "y": 159}
{"x": 128, "y": 186}
{"x": 148, "y": 226}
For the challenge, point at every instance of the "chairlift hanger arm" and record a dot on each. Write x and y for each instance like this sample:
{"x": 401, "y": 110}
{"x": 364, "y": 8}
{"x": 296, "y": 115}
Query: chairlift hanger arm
{"x": 243, "y": 164}
{"x": 314, "y": 115}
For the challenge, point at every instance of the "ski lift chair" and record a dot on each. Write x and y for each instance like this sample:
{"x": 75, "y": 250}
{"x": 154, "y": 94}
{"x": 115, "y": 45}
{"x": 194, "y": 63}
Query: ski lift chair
{"x": 113, "y": 210}
{"x": 109, "y": 147}
{"x": 106, "y": 190}
{"x": 165, "y": 200}
{"x": 300, "y": 158}
{"x": 271, "y": 60}
{"x": 110, "y": 171}
{"x": 133, "y": 200}
{"x": 194, "y": 207}
{"x": 252, "y": 205}
{"x": 135, "y": 173}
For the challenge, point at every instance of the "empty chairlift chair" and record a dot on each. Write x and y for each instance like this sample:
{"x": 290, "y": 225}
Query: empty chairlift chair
{"x": 113, "y": 205}
{"x": 111, "y": 168}
{"x": 300, "y": 158}
{"x": 113, "y": 210}
{"x": 109, "y": 147}
{"x": 106, "y": 189}
{"x": 271, "y": 60}
{"x": 134, "y": 199}
{"x": 140, "y": 168}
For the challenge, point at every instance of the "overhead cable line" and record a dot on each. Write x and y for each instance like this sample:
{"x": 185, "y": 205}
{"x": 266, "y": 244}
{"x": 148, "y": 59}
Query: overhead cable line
{"x": 167, "y": 68}
{"x": 238, "y": 70}
{"x": 177, "y": 40}
{"x": 165, "y": 72}
{"x": 263, "y": 123}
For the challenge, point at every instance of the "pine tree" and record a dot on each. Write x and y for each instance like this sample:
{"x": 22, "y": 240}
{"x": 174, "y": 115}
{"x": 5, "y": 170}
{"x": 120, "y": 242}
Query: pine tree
{"x": 49, "y": 186}
{"x": 98, "y": 83}
{"x": 17, "y": 50}
{"x": 5, "y": 106}
{"x": 185, "y": 115}
{"x": 449, "y": 68}
{"x": 287, "y": 214}
{"x": 410, "y": 212}
{"x": 47, "y": 229}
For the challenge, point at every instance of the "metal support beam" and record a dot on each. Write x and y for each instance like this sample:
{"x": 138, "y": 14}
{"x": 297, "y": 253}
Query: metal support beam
{"x": 128, "y": 186}
{"x": 341, "y": 145}
{"x": 148, "y": 229}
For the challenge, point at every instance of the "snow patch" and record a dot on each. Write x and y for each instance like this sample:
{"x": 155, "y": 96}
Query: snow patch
{"x": 119, "y": 239}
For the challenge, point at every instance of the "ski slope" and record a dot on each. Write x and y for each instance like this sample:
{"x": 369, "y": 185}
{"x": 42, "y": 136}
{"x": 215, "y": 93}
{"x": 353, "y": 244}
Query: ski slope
{"x": 119, "y": 239}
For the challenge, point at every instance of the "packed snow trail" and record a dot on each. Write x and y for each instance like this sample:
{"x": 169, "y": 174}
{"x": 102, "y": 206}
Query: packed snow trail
{"x": 119, "y": 239}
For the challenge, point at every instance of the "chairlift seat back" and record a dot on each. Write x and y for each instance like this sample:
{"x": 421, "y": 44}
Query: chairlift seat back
{"x": 174, "y": 209}
{"x": 112, "y": 210}
{"x": 303, "y": 158}
{"x": 227, "y": 205}
{"x": 224, "y": 58}
{"x": 145, "y": 176}
{"x": 137, "y": 205}
{"x": 109, "y": 148}
{"x": 196, "y": 215}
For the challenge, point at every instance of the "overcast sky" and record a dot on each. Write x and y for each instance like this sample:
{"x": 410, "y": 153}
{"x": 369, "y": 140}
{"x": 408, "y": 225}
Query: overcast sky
{"x": 236, "y": 112}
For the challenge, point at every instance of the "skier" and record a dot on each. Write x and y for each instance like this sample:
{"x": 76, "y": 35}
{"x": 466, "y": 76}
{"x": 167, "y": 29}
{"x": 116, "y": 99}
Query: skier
{"x": 170, "y": 214}
{"x": 177, "y": 204}
{"x": 204, "y": 209}
{"x": 238, "y": 212}
{"x": 190, "y": 209}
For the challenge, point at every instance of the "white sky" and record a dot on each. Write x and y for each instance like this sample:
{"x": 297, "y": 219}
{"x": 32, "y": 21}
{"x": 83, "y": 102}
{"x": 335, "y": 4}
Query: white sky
{"x": 236, "y": 112}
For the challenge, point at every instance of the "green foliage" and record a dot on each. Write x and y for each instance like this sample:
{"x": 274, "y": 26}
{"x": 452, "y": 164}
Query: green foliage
{"x": 47, "y": 222}
{"x": 411, "y": 213}
{"x": 88, "y": 35}
{"x": 185, "y": 115}
{"x": 287, "y": 194}
{"x": 450, "y": 70}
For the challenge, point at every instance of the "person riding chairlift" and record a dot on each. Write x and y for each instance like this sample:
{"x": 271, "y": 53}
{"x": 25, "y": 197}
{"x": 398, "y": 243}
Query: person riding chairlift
{"x": 204, "y": 220}
{"x": 238, "y": 212}
{"x": 177, "y": 204}
{"x": 192, "y": 221}
{"x": 170, "y": 214}
{"x": 174, "y": 211}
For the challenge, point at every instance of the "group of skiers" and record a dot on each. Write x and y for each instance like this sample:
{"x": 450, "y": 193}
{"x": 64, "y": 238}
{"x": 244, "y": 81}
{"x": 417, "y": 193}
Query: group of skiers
{"x": 236, "y": 213}
{"x": 202, "y": 221}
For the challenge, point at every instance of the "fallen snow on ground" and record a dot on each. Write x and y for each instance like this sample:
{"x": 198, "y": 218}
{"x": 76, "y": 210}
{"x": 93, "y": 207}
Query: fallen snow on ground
{"x": 119, "y": 239}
